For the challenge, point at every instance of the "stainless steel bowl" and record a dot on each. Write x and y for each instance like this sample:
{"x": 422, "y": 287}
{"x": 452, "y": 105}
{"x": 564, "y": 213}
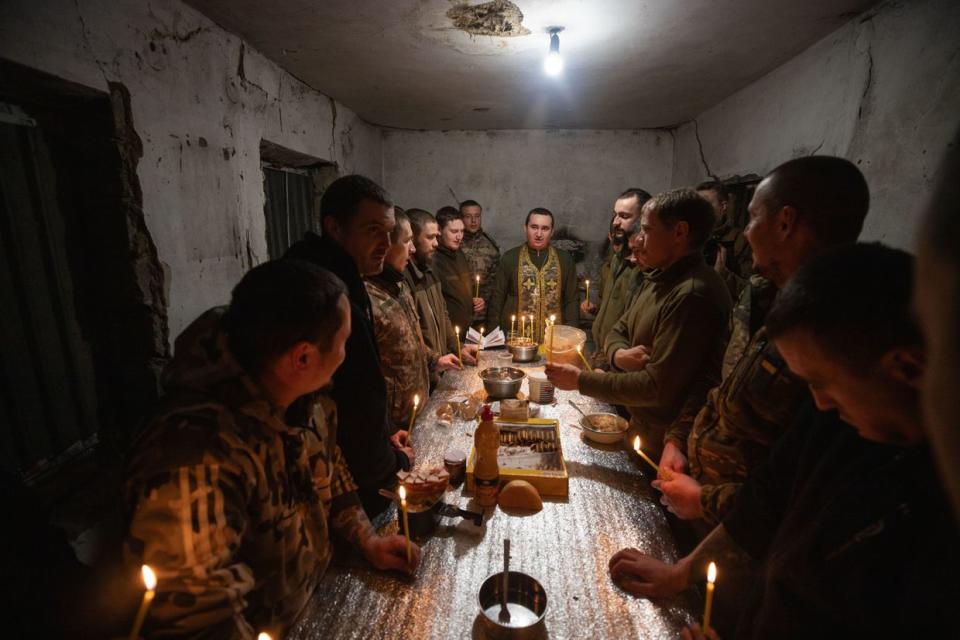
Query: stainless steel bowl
{"x": 600, "y": 435}
{"x": 526, "y": 601}
{"x": 502, "y": 382}
{"x": 524, "y": 353}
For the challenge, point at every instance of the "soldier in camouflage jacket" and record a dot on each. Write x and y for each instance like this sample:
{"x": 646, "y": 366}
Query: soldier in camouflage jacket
{"x": 230, "y": 495}
{"x": 481, "y": 251}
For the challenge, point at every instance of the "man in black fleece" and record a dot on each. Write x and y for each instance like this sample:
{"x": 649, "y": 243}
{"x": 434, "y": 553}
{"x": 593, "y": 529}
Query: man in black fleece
{"x": 846, "y": 518}
{"x": 357, "y": 218}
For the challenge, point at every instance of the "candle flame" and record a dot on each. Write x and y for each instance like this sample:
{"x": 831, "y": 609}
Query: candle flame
{"x": 588, "y": 282}
{"x": 402, "y": 492}
{"x": 578, "y": 348}
{"x": 712, "y": 573}
{"x": 149, "y": 578}
{"x": 263, "y": 635}
{"x": 456, "y": 330}
{"x": 553, "y": 318}
{"x": 636, "y": 443}
{"x": 478, "y": 277}
{"x": 513, "y": 318}
{"x": 481, "y": 330}
{"x": 416, "y": 400}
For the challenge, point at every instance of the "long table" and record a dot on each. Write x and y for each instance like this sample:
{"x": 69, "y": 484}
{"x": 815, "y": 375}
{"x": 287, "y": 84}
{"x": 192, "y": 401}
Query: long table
{"x": 566, "y": 546}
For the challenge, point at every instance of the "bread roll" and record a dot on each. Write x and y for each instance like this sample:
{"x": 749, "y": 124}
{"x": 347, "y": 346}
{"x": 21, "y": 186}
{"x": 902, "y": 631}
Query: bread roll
{"x": 520, "y": 494}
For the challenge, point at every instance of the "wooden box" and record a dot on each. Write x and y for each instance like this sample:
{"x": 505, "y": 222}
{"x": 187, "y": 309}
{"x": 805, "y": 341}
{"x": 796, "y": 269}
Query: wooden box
{"x": 529, "y": 450}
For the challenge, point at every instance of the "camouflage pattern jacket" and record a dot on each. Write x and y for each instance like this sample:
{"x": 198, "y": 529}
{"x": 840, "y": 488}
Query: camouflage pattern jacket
{"x": 738, "y": 266}
{"x": 483, "y": 255}
{"x": 405, "y": 359}
{"x": 750, "y": 409}
{"x": 230, "y": 501}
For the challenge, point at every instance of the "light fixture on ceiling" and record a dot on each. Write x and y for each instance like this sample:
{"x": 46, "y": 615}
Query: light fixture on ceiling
{"x": 553, "y": 64}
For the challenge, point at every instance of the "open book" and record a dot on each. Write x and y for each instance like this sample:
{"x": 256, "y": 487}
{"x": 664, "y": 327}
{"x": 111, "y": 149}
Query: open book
{"x": 493, "y": 339}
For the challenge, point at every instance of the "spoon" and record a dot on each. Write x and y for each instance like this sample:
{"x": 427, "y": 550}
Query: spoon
{"x": 504, "y": 616}
{"x": 579, "y": 410}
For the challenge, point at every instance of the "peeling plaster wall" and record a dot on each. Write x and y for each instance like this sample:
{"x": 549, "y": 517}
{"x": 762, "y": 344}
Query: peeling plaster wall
{"x": 883, "y": 91}
{"x": 575, "y": 174}
{"x": 201, "y": 101}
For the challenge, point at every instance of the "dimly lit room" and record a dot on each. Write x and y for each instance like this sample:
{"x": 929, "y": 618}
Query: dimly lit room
{"x": 500, "y": 319}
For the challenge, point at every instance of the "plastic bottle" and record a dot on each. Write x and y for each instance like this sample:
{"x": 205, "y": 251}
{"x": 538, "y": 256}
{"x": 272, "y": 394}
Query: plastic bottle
{"x": 486, "y": 472}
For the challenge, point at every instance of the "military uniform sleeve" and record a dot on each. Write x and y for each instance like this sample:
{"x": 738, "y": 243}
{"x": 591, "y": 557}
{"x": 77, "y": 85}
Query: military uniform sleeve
{"x": 618, "y": 336}
{"x": 501, "y": 285}
{"x": 690, "y": 329}
{"x": 696, "y": 398}
{"x": 716, "y": 500}
{"x": 185, "y": 521}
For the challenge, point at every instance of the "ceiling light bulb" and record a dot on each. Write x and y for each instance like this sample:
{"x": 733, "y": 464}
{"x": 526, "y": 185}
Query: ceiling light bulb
{"x": 553, "y": 65}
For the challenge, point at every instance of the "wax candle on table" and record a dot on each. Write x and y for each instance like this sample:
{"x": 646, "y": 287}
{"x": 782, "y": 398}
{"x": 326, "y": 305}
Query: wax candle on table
{"x": 708, "y": 605}
{"x": 406, "y": 522}
{"x": 477, "y": 294}
{"x": 150, "y": 582}
{"x": 585, "y": 363}
{"x": 636, "y": 447}
{"x": 588, "y": 290}
{"x": 553, "y": 320}
{"x": 513, "y": 324}
{"x": 413, "y": 413}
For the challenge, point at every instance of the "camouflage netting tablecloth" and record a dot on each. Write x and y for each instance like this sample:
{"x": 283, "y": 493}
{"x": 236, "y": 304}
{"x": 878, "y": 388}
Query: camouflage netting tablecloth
{"x": 565, "y": 546}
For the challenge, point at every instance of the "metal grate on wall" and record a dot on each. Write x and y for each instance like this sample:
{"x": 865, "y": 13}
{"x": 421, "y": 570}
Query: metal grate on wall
{"x": 288, "y": 207}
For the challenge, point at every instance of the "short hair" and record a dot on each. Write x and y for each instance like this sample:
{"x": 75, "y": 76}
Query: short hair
{"x": 419, "y": 218}
{"x": 446, "y": 215}
{"x": 686, "y": 205}
{"x": 855, "y": 299}
{"x": 279, "y": 304}
{"x": 540, "y": 211}
{"x": 830, "y": 195}
{"x": 342, "y": 198}
{"x": 401, "y": 217}
{"x": 716, "y": 186}
{"x": 642, "y": 195}
{"x": 469, "y": 203}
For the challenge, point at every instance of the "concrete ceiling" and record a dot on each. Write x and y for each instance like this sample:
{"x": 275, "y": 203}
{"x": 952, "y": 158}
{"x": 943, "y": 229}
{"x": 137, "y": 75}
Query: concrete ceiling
{"x": 628, "y": 63}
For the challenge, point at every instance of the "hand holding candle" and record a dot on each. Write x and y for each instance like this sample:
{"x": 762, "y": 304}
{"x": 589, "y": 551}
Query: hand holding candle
{"x": 150, "y": 582}
{"x": 587, "y": 282}
{"x": 406, "y": 522}
{"x": 636, "y": 447}
{"x": 708, "y": 605}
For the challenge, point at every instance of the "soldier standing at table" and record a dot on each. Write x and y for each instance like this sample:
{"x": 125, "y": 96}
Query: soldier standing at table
{"x": 727, "y": 250}
{"x": 453, "y": 270}
{"x": 481, "y": 251}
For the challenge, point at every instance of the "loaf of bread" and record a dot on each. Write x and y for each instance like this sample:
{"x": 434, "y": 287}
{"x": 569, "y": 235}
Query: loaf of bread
{"x": 520, "y": 494}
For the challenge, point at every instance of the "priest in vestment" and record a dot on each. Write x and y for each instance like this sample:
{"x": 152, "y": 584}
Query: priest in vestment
{"x": 534, "y": 279}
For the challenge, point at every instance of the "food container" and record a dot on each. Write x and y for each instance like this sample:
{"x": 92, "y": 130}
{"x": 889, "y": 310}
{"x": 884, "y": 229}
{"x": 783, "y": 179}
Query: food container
{"x": 502, "y": 382}
{"x": 455, "y": 462}
{"x": 565, "y": 342}
{"x": 526, "y": 601}
{"x": 541, "y": 389}
{"x": 523, "y": 352}
{"x": 605, "y": 428}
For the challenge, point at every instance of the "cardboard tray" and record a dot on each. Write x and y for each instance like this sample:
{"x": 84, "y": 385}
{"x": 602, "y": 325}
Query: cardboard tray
{"x": 549, "y": 482}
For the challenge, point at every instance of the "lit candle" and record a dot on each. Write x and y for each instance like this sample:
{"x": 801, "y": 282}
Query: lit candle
{"x": 413, "y": 413}
{"x": 708, "y": 606}
{"x": 477, "y": 294}
{"x": 588, "y": 290}
{"x": 150, "y": 582}
{"x": 553, "y": 320}
{"x": 585, "y": 363}
{"x": 513, "y": 324}
{"x": 263, "y": 635}
{"x": 456, "y": 332}
{"x": 480, "y": 345}
{"x": 406, "y": 522}
{"x": 636, "y": 447}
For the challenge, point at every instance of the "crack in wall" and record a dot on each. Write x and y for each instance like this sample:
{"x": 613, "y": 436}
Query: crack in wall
{"x": 703, "y": 157}
{"x": 177, "y": 37}
{"x": 85, "y": 34}
{"x": 868, "y": 83}
{"x": 333, "y": 128}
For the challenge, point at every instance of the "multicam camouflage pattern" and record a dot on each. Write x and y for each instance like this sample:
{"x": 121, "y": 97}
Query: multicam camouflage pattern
{"x": 754, "y": 404}
{"x": 738, "y": 266}
{"x": 483, "y": 254}
{"x": 404, "y": 358}
{"x": 229, "y": 501}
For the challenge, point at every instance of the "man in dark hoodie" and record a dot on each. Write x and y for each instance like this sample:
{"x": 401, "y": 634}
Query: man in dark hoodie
{"x": 357, "y": 218}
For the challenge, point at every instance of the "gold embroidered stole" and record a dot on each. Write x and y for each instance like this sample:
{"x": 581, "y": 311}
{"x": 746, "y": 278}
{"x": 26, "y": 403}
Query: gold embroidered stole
{"x": 538, "y": 290}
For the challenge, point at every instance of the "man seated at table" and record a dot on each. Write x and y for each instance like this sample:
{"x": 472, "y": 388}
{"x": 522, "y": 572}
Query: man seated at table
{"x": 481, "y": 250}
{"x": 236, "y": 482}
{"x": 406, "y": 361}
{"x": 357, "y": 218}
{"x": 800, "y": 209}
{"x": 616, "y": 288}
{"x": 435, "y": 325}
{"x": 674, "y": 333}
{"x": 535, "y": 279}
{"x": 846, "y": 517}
{"x": 450, "y": 265}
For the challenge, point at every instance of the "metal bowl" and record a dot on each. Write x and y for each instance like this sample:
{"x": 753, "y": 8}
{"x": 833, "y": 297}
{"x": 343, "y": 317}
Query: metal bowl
{"x": 502, "y": 382}
{"x": 604, "y": 436}
{"x": 526, "y": 601}
{"x": 524, "y": 353}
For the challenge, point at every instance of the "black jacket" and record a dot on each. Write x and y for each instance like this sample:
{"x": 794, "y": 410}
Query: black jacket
{"x": 856, "y": 539}
{"x": 359, "y": 389}
{"x": 456, "y": 281}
